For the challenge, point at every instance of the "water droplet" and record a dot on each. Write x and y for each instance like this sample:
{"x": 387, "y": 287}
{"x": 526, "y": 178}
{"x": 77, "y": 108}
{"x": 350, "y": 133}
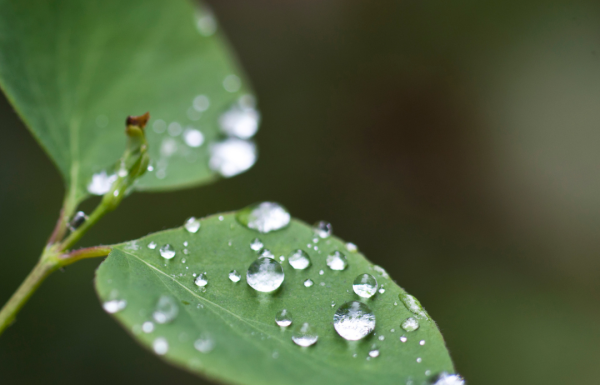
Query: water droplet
{"x": 381, "y": 338}
{"x": 351, "y": 247}
{"x": 265, "y": 275}
{"x": 114, "y": 306}
{"x": 374, "y": 353}
{"x": 206, "y": 23}
{"x": 305, "y": 336}
{"x": 299, "y": 260}
{"x": 322, "y": 229}
{"x": 283, "y": 318}
{"x": 256, "y": 244}
{"x": 337, "y": 261}
{"x": 240, "y": 121}
{"x": 403, "y": 339}
{"x": 264, "y": 217}
{"x": 308, "y": 283}
{"x": 185, "y": 244}
{"x": 167, "y": 251}
{"x": 321, "y": 272}
{"x": 266, "y": 253}
{"x": 152, "y": 245}
{"x": 201, "y": 103}
{"x": 147, "y": 327}
{"x": 193, "y": 137}
{"x": 392, "y": 330}
{"x": 449, "y": 379}
{"x": 413, "y": 305}
{"x": 101, "y": 183}
{"x": 166, "y": 309}
{"x": 428, "y": 372}
{"x": 354, "y": 320}
{"x": 232, "y": 83}
{"x": 160, "y": 346}
{"x": 221, "y": 218}
{"x": 422, "y": 342}
{"x": 232, "y": 156}
{"x": 410, "y": 324}
{"x": 234, "y": 276}
{"x": 365, "y": 285}
{"x": 201, "y": 280}
{"x": 204, "y": 344}
{"x": 381, "y": 271}
{"x": 419, "y": 360}
{"x": 381, "y": 291}
{"x": 281, "y": 258}
{"x": 395, "y": 303}
{"x": 192, "y": 225}
{"x": 78, "y": 219}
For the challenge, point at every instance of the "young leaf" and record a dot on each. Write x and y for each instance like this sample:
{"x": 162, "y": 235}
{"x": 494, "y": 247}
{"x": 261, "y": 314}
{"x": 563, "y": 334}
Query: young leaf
{"x": 180, "y": 302}
{"x": 74, "y": 70}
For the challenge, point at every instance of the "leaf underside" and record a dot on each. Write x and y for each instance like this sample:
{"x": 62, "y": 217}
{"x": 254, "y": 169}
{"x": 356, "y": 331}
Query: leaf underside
{"x": 74, "y": 70}
{"x": 249, "y": 348}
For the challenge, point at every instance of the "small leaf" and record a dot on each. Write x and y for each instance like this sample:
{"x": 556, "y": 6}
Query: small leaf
{"x": 74, "y": 70}
{"x": 225, "y": 329}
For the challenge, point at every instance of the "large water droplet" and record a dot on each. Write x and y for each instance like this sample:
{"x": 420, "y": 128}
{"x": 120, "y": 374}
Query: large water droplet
{"x": 114, "y": 306}
{"x": 308, "y": 283}
{"x": 410, "y": 324}
{"x": 449, "y": 379}
{"x": 256, "y": 244}
{"x": 337, "y": 261}
{"x": 234, "y": 276}
{"x": 305, "y": 336}
{"x": 166, "y": 309}
{"x": 201, "y": 280}
{"x": 160, "y": 346}
{"x": 299, "y": 260}
{"x": 265, "y": 275}
{"x": 240, "y": 121}
{"x": 192, "y": 225}
{"x": 101, "y": 183}
{"x": 78, "y": 219}
{"x": 167, "y": 251}
{"x": 232, "y": 156}
{"x": 365, "y": 285}
{"x": 283, "y": 318}
{"x": 264, "y": 217}
{"x": 204, "y": 344}
{"x": 322, "y": 229}
{"x": 413, "y": 305}
{"x": 354, "y": 320}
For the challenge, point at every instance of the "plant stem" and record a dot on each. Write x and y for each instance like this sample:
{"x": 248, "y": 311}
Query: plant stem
{"x": 41, "y": 270}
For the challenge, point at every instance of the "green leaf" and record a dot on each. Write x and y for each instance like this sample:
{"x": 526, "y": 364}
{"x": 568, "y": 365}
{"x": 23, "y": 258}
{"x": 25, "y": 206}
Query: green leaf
{"x": 74, "y": 70}
{"x": 235, "y": 325}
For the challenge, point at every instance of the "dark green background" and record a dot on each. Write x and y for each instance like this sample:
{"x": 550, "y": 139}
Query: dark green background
{"x": 456, "y": 143}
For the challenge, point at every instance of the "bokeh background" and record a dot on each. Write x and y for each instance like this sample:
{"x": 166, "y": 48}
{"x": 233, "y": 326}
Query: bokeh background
{"x": 457, "y": 143}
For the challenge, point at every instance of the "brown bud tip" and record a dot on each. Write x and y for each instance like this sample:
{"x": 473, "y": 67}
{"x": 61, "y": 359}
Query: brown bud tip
{"x": 139, "y": 121}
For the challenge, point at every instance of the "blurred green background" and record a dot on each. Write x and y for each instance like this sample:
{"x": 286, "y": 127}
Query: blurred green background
{"x": 456, "y": 143}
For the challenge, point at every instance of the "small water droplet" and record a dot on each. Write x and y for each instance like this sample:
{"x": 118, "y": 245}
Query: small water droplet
{"x": 308, "y": 283}
{"x": 374, "y": 353}
{"x": 381, "y": 291}
{"x": 114, "y": 306}
{"x": 152, "y": 245}
{"x": 305, "y": 336}
{"x": 264, "y": 217}
{"x": 265, "y": 275}
{"x": 167, "y": 251}
{"x": 147, "y": 327}
{"x": 193, "y": 137}
{"x": 403, "y": 339}
{"x": 365, "y": 285}
{"x": 101, "y": 183}
{"x": 428, "y": 372}
{"x": 204, "y": 344}
{"x": 351, "y": 247}
{"x": 256, "y": 244}
{"x": 392, "y": 330}
{"x": 201, "y": 280}
{"x": 321, "y": 272}
{"x": 413, "y": 305}
{"x": 337, "y": 261}
{"x": 166, "y": 309}
{"x": 232, "y": 156}
{"x": 410, "y": 324}
{"x": 322, "y": 229}
{"x": 221, "y": 218}
{"x": 240, "y": 121}
{"x": 283, "y": 318}
{"x": 354, "y": 320}
{"x": 266, "y": 253}
{"x": 449, "y": 379}
{"x": 381, "y": 338}
{"x": 78, "y": 219}
{"x": 160, "y": 346}
{"x": 395, "y": 303}
{"x": 299, "y": 259}
{"x": 422, "y": 342}
{"x": 232, "y": 83}
{"x": 185, "y": 244}
{"x": 419, "y": 360}
{"x": 234, "y": 276}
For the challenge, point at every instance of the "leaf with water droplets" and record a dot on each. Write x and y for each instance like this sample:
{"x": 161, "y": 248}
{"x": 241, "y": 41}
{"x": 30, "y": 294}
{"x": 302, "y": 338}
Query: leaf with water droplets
{"x": 74, "y": 70}
{"x": 234, "y": 315}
